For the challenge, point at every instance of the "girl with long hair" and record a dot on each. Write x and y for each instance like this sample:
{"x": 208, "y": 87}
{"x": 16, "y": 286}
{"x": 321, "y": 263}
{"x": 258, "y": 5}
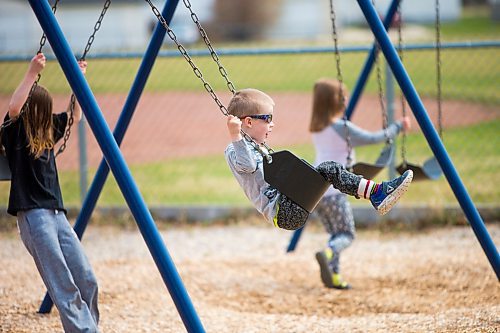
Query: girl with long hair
{"x": 36, "y": 200}
{"x": 328, "y": 129}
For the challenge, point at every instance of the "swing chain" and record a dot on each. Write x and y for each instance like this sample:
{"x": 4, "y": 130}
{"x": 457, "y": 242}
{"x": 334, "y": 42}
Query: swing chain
{"x": 70, "y": 123}
{"x": 197, "y": 72}
{"x": 403, "y": 101}
{"x": 438, "y": 69}
{"x": 333, "y": 18}
{"x": 97, "y": 26}
{"x": 25, "y": 106}
{"x": 385, "y": 117}
{"x": 187, "y": 57}
{"x": 43, "y": 40}
{"x": 72, "y": 105}
{"x": 263, "y": 149}
{"x": 213, "y": 54}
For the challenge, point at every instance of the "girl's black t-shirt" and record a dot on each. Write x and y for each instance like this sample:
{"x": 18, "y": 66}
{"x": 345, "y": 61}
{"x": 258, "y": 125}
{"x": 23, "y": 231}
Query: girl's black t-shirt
{"x": 35, "y": 183}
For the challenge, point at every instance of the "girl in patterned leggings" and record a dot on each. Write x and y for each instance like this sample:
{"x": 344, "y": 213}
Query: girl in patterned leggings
{"x": 329, "y": 137}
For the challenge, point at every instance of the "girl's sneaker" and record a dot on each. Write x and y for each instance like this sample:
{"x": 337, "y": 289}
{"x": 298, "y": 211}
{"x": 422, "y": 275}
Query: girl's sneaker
{"x": 338, "y": 283}
{"x": 324, "y": 257}
{"x": 388, "y": 193}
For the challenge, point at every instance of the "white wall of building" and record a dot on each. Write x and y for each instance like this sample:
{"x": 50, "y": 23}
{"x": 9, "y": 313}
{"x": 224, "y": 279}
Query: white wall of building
{"x": 302, "y": 19}
{"x": 421, "y": 11}
{"x": 126, "y": 27}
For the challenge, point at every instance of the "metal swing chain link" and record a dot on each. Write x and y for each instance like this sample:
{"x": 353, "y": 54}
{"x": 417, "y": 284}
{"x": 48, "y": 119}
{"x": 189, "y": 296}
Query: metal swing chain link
{"x": 43, "y": 40}
{"x": 71, "y": 120}
{"x": 403, "y": 101}
{"x": 197, "y": 72}
{"x": 333, "y": 18}
{"x": 222, "y": 71}
{"x": 91, "y": 39}
{"x": 213, "y": 53}
{"x": 187, "y": 57}
{"x": 438, "y": 69}
{"x": 97, "y": 26}
{"x": 385, "y": 117}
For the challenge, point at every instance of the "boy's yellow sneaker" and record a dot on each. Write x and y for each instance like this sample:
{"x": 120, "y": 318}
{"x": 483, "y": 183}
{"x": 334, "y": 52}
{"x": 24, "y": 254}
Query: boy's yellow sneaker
{"x": 324, "y": 257}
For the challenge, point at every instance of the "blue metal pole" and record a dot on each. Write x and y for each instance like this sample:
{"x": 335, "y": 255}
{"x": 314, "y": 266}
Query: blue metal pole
{"x": 365, "y": 72}
{"x": 120, "y": 129}
{"x": 274, "y": 51}
{"x": 360, "y": 85}
{"x": 82, "y": 148}
{"x": 389, "y": 103}
{"x": 117, "y": 165}
{"x": 431, "y": 135}
{"x": 295, "y": 239}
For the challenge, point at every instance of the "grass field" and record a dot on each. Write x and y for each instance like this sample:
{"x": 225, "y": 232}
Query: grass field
{"x": 184, "y": 181}
{"x": 475, "y": 23}
{"x": 470, "y": 75}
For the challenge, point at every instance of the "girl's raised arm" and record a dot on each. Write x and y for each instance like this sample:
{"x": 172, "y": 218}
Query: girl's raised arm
{"x": 21, "y": 93}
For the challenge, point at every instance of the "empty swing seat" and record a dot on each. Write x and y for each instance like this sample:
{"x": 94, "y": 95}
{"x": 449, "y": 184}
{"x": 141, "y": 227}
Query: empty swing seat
{"x": 369, "y": 171}
{"x": 430, "y": 170}
{"x": 296, "y": 179}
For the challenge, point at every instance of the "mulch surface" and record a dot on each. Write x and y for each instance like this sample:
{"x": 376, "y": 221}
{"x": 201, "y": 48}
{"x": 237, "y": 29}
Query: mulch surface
{"x": 240, "y": 280}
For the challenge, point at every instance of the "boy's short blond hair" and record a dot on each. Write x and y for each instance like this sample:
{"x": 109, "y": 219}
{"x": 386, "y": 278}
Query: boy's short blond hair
{"x": 248, "y": 102}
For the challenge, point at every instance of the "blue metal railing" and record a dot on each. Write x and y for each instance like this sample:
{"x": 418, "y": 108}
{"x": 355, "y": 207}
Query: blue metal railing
{"x": 272, "y": 51}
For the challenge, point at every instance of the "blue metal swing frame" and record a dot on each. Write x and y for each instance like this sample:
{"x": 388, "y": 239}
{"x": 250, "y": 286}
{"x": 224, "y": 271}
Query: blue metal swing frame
{"x": 113, "y": 156}
{"x": 356, "y": 94}
{"x": 379, "y": 30}
{"x": 110, "y": 144}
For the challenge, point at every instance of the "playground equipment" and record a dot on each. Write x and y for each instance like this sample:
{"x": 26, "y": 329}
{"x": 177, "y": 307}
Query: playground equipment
{"x": 415, "y": 103}
{"x": 4, "y": 166}
{"x": 115, "y": 161}
{"x": 91, "y": 39}
{"x": 430, "y": 169}
{"x": 367, "y": 170}
{"x": 5, "y": 173}
{"x": 292, "y": 176}
{"x": 387, "y": 152}
{"x": 114, "y": 157}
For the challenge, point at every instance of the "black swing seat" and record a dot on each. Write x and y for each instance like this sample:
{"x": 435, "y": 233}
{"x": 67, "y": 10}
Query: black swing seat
{"x": 296, "y": 179}
{"x": 369, "y": 171}
{"x": 4, "y": 167}
{"x": 430, "y": 170}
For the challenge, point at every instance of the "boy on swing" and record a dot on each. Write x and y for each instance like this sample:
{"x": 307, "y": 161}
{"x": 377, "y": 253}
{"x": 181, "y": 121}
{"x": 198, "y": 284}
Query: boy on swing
{"x": 252, "y": 110}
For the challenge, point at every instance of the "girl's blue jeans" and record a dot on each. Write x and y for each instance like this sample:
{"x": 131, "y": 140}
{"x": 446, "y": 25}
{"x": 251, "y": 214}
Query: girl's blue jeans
{"x": 63, "y": 266}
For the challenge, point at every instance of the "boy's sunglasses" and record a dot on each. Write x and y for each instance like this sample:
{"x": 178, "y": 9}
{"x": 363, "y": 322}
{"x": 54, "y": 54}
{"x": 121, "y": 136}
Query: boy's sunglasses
{"x": 266, "y": 117}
